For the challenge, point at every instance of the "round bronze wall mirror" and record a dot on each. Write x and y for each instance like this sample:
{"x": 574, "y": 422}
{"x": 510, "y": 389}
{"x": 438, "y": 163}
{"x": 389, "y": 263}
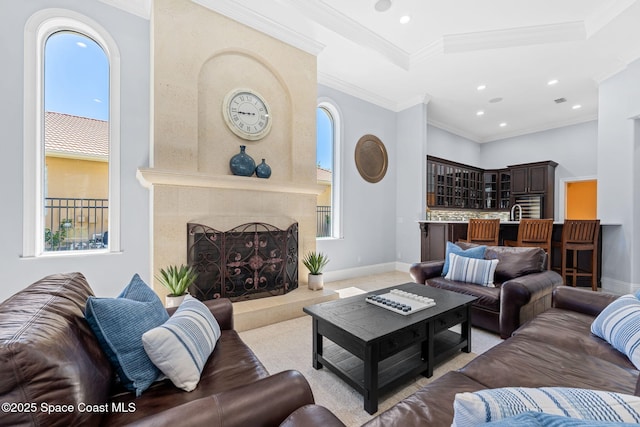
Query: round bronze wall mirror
{"x": 371, "y": 158}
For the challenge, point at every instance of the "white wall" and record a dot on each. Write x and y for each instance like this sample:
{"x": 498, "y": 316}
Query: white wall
{"x": 411, "y": 181}
{"x": 369, "y": 213}
{"x": 619, "y": 177}
{"x": 574, "y": 148}
{"x": 449, "y": 146}
{"x": 107, "y": 274}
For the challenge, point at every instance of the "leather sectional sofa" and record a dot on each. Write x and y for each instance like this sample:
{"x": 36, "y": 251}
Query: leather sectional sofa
{"x": 522, "y": 289}
{"x": 555, "y": 349}
{"x": 53, "y": 372}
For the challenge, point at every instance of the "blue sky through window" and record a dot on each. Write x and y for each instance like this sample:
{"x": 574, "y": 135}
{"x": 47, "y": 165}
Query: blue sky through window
{"x": 76, "y": 76}
{"x": 324, "y": 143}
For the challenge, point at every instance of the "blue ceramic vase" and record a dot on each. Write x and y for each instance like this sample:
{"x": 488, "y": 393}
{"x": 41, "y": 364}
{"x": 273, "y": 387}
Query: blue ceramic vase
{"x": 263, "y": 170}
{"x": 242, "y": 164}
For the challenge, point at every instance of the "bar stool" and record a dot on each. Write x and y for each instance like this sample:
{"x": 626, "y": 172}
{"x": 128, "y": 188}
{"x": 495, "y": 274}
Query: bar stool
{"x": 483, "y": 231}
{"x": 579, "y": 235}
{"x": 534, "y": 233}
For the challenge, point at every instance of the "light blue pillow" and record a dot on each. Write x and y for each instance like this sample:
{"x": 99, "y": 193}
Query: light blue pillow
{"x": 119, "y": 323}
{"x": 473, "y": 409}
{"x": 619, "y": 325}
{"x": 472, "y": 270}
{"x": 475, "y": 252}
{"x": 182, "y": 345}
{"x": 540, "y": 419}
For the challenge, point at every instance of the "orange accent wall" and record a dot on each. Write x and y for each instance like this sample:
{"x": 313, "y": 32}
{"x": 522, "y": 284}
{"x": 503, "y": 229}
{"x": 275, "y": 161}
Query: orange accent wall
{"x": 581, "y": 200}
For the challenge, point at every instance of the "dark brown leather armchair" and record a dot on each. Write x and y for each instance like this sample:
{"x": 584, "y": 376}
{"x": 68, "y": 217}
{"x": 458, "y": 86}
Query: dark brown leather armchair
{"x": 522, "y": 289}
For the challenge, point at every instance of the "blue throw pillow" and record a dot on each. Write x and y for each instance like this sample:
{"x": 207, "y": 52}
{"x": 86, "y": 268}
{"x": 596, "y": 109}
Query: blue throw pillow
{"x": 472, "y": 270}
{"x": 119, "y": 323}
{"x": 473, "y": 409}
{"x": 475, "y": 252}
{"x": 619, "y": 325}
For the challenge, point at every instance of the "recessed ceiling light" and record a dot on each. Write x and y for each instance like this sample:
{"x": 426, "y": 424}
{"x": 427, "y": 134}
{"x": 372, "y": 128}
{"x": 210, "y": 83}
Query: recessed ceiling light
{"x": 405, "y": 19}
{"x": 81, "y": 44}
{"x": 383, "y": 5}
{"x": 479, "y": 113}
{"x": 577, "y": 107}
{"x": 552, "y": 82}
{"x": 482, "y": 87}
{"x": 503, "y": 124}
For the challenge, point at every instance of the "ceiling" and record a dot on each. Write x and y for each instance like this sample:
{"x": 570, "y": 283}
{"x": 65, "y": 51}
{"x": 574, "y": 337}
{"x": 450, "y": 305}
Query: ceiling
{"x": 450, "y": 47}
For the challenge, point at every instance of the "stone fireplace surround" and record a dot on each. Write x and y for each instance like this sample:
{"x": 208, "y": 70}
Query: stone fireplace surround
{"x": 222, "y": 203}
{"x": 188, "y": 176}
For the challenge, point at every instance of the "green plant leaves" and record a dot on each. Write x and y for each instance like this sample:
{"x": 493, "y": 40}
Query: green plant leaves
{"x": 177, "y": 279}
{"x": 315, "y": 262}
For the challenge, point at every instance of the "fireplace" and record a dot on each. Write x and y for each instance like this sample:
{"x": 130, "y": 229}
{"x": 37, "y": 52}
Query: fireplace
{"x": 253, "y": 260}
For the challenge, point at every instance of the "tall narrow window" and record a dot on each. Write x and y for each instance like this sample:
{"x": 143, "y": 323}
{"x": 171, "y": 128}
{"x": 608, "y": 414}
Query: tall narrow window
{"x": 75, "y": 134}
{"x": 327, "y": 155}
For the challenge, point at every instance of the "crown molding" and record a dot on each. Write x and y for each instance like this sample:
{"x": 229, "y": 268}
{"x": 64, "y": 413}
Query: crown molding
{"x": 358, "y": 92}
{"x": 514, "y": 37}
{"x": 482, "y": 140}
{"x": 432, "y": 50}
{"x": 604, "y": 15}
{"x": 413, "y": 101}
{"x": 454, "y": 130}
{"x": 246, "y": 16}
{"x": 615, "y": 68}
{"x": 335, "y": 21}
{"x": 141, "y": 8}
{"x": 547, "y": 126}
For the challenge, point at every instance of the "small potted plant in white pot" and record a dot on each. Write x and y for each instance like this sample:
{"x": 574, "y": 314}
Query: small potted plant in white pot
{"x": 315, "y": 262}
{"x": 177, "y": 281}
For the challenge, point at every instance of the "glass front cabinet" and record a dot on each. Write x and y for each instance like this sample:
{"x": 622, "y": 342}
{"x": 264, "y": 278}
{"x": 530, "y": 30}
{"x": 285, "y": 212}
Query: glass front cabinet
{"x": 455, "y": 185}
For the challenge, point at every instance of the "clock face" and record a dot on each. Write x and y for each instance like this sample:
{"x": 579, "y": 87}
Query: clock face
{"x": 247, "y": 114}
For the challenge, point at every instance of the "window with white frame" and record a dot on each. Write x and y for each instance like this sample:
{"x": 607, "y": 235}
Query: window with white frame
{"x": 328, "y": 217}
{"x": 71, "y": 167}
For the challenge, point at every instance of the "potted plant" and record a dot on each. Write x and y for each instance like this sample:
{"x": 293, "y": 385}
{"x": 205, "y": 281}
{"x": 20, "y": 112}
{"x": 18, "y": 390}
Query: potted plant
{"x": 177, "y": 281}
{"x": 315, "y": 262}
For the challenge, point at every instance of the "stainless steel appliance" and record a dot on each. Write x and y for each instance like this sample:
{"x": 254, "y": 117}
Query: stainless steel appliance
{"x": 532, "y": 206}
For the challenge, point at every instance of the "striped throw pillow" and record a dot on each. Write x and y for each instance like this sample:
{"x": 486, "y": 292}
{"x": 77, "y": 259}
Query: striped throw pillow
{"x": 182, "y": 345}
{"x": 471, "y": 270}
{"x": 619, "y": 325}
{"x": 472, "y": 409}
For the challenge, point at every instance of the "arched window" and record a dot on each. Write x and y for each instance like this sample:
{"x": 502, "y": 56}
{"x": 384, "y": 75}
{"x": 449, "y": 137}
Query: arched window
{"x": 328, "y": 212}
{"x": 71, "y": 169}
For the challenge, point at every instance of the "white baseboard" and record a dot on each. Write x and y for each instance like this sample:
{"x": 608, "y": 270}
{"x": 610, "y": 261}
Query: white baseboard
{"x": 350, "y": 273}
{"x": 403, "y": 266}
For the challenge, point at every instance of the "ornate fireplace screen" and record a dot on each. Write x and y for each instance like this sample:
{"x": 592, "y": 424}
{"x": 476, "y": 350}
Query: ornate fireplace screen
{"x": 253, "y": 260}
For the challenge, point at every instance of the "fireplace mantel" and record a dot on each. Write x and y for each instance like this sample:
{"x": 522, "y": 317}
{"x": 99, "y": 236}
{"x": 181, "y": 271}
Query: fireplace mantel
{"x": 149, "y": 177}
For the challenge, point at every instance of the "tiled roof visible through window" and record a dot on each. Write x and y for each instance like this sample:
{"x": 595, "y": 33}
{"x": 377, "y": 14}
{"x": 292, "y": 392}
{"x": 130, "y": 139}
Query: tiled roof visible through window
{"x": 79, "y": 137}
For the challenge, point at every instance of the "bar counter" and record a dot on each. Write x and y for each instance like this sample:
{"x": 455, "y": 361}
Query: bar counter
{"x": 434, "y": 236}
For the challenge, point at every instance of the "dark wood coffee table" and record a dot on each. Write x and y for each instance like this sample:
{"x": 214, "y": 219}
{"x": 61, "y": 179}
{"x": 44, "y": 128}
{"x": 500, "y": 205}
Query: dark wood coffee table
{"x": 374, "y": 349}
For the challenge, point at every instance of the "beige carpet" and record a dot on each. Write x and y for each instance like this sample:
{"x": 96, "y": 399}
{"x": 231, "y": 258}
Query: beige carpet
{"x": 287, "y": 345}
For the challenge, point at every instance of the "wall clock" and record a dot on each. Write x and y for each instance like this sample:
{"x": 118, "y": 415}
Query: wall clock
{"x": 247, "y": 114}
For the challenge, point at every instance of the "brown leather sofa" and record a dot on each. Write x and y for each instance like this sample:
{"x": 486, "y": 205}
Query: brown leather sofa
{"x": 556, "y": 349}
{"x": 53, "y": 372}
{"x": 522, "y": 287}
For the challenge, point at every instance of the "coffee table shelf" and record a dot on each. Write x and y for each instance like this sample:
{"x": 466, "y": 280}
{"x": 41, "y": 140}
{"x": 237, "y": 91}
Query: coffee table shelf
{"x": 373, "y": 349}
{"x": 393, "y": 370}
